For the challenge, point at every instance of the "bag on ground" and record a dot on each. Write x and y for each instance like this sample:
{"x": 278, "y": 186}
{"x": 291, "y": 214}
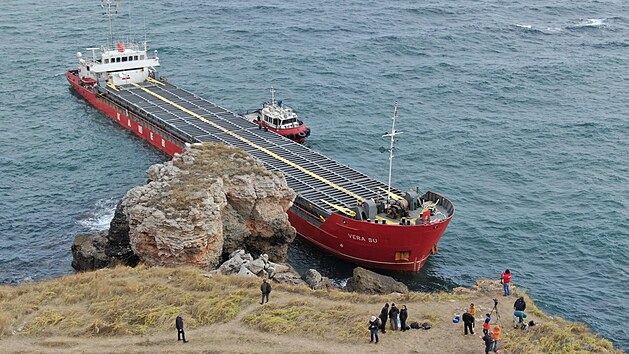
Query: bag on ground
{"x": 415, "y": 325}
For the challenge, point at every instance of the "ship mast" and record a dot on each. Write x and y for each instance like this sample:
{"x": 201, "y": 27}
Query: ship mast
{"x": 272, "y": 96}
{"x": 392, "y": 134}
{"x": 107, "y": 5}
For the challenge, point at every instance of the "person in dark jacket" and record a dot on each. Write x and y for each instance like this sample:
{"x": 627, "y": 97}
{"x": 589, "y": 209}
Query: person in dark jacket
{"x": 403, "y": 317}
{"x": 468, "y": 321}
{"x": 374, "y": 325}
{"x": 393, "y": 313}
{"x": 384, "y": 314}
{"x": 489, "y": 343}
{"x": 265, "y": 288}
{"x": 179, "y": 324}
{"x": 519, "y": 304}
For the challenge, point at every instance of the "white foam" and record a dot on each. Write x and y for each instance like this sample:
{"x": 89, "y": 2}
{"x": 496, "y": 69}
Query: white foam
{"x": 99, "y": 218}
{"x": 594, "y": 22}
{"x": 524, "y": 26}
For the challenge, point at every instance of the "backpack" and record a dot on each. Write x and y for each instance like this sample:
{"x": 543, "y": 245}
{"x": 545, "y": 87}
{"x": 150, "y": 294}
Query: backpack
{"x": 415, "y": 325}
{"x": 426, "y": 325}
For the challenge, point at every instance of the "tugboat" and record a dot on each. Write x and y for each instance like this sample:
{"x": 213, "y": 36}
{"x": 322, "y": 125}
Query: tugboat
{"x": 279, "y": 118}
{"x": 337, "y": 208}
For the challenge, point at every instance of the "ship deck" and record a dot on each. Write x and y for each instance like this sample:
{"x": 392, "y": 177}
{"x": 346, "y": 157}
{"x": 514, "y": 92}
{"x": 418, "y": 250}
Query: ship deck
{"x": 319, "y": 180}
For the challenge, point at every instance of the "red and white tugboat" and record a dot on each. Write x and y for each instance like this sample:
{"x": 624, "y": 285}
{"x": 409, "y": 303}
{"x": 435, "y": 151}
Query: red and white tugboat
{"x": 279, "y": 118}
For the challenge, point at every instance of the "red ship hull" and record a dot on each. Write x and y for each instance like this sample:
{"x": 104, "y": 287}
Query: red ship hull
{"x": 369, "y": 244}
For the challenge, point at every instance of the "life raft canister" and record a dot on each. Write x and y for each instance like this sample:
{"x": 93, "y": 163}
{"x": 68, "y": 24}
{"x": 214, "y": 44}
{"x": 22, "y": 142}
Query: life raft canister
{"x": 120, "y": 47}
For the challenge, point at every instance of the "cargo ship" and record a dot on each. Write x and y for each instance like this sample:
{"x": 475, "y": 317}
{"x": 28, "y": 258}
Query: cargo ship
{"x": 280, "y": 118}
{"x": 337, "y": 208}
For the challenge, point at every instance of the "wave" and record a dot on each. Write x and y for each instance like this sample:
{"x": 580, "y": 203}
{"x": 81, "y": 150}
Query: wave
{"x": 588, "y": 23}
{"x": 99, "y": 218}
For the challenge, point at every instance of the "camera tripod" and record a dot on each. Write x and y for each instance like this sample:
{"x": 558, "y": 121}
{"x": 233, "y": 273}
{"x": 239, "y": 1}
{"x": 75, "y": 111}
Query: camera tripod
{"x": 495, "y": 309}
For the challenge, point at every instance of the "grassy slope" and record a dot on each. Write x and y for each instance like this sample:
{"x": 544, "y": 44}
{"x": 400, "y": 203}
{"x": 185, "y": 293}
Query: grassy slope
{"x": 133, "y": 310}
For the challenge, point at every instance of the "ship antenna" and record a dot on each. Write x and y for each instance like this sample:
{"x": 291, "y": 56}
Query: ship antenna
{"x": 392, "y": 134}
{"x": 107, "y": 4}
{"x": 272, "y": 96}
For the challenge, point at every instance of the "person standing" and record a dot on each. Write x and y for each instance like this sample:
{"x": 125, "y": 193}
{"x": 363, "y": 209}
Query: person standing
{"x": 495, "y": 335}
{"x": 403, "y": 317}
{"x": 489, "y": 343}
{"x": 384, "y": 314}
{"x": 486, "y": 325}
{"x": 265, "y": 288}
{"x": 393, "y": 313}
{"x": 374, "y": 326}
{"x": 468, "y": 321}
{"x": 505, "y": 278}
{"x": 179, "y": 324}
{"x": 473, "y": 313}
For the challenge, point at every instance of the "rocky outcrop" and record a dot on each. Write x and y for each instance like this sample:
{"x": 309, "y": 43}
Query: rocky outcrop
{"x": 368, "y": 282}
{"x": 242, "y": 263}
{"x": 88, "y": 252}
{"x": 201, "y": 206}
{"x": 316, "y": 281}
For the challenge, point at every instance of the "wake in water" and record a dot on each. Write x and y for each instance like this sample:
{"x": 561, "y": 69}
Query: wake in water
{"x": 99, "y": 218}
{"x": 530, "y": 28}
{"x": 588, "y": 23}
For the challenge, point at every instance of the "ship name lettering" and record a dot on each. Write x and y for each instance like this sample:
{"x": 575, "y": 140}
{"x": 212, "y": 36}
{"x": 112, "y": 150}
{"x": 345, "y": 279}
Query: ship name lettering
{"x": 356, "y": 237}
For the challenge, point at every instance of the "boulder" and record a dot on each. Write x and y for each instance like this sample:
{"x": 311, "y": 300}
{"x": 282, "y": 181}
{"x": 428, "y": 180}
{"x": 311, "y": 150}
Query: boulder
{"x": 88, "y": 252}
{"x": 288, "y": 278}
{"x": 316, "y": 281}
{"x": 368, "y": 282}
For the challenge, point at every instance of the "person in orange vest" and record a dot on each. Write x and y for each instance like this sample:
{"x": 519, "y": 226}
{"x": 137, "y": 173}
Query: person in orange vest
{"x": 505, "y": 279}
{"x": 495, "y": 335}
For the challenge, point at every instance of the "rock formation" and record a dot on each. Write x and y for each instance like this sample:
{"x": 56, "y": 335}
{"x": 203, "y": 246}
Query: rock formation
{"x": 242, "y": 263}
{"x": 368, "y": 282}
{"x": 316, "y": 281}
{"x": 199, "y": 207}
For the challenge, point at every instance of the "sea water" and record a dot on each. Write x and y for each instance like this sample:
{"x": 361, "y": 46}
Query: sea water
{"x": 516, "y": 111}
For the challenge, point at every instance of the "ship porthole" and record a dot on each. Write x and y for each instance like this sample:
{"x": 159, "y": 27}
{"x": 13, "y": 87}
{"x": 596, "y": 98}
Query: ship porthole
{"x": 344, "y": 221}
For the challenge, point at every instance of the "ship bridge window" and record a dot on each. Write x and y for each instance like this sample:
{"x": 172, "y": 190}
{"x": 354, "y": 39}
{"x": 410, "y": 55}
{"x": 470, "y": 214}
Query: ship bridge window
{"x": 275, "y": 121}
{"x": 135, "y": 57}
{"x": 142, "y": 57}
{"x": 106, "y": 61}
{"x": 118, "y": 60}
{"x": 124, "y": 59}
{"x": 88, "y": 68}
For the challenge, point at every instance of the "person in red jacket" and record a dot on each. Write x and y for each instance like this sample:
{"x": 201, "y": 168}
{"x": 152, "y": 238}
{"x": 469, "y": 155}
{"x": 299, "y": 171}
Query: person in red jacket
{"x": 505, "y": 278}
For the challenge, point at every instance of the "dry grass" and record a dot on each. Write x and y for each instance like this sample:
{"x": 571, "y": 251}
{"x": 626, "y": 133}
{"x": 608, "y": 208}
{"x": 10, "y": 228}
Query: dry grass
{"x": 121, "y": 301}
{"x": 557, "y": 336}
{"x": 341, "y": 322}
{"x": 210, "y": 158}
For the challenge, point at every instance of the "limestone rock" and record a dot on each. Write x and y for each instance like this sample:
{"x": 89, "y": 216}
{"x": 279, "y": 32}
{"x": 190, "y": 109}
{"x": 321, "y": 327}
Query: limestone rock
{"x": 316, "y": 281}
{"x": 288, "y": 278}
{"x": 368, "y": 282}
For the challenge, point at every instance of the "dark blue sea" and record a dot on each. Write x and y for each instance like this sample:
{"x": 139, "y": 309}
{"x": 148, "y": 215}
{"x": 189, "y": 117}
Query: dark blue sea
{"x": 517, "y": 111}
